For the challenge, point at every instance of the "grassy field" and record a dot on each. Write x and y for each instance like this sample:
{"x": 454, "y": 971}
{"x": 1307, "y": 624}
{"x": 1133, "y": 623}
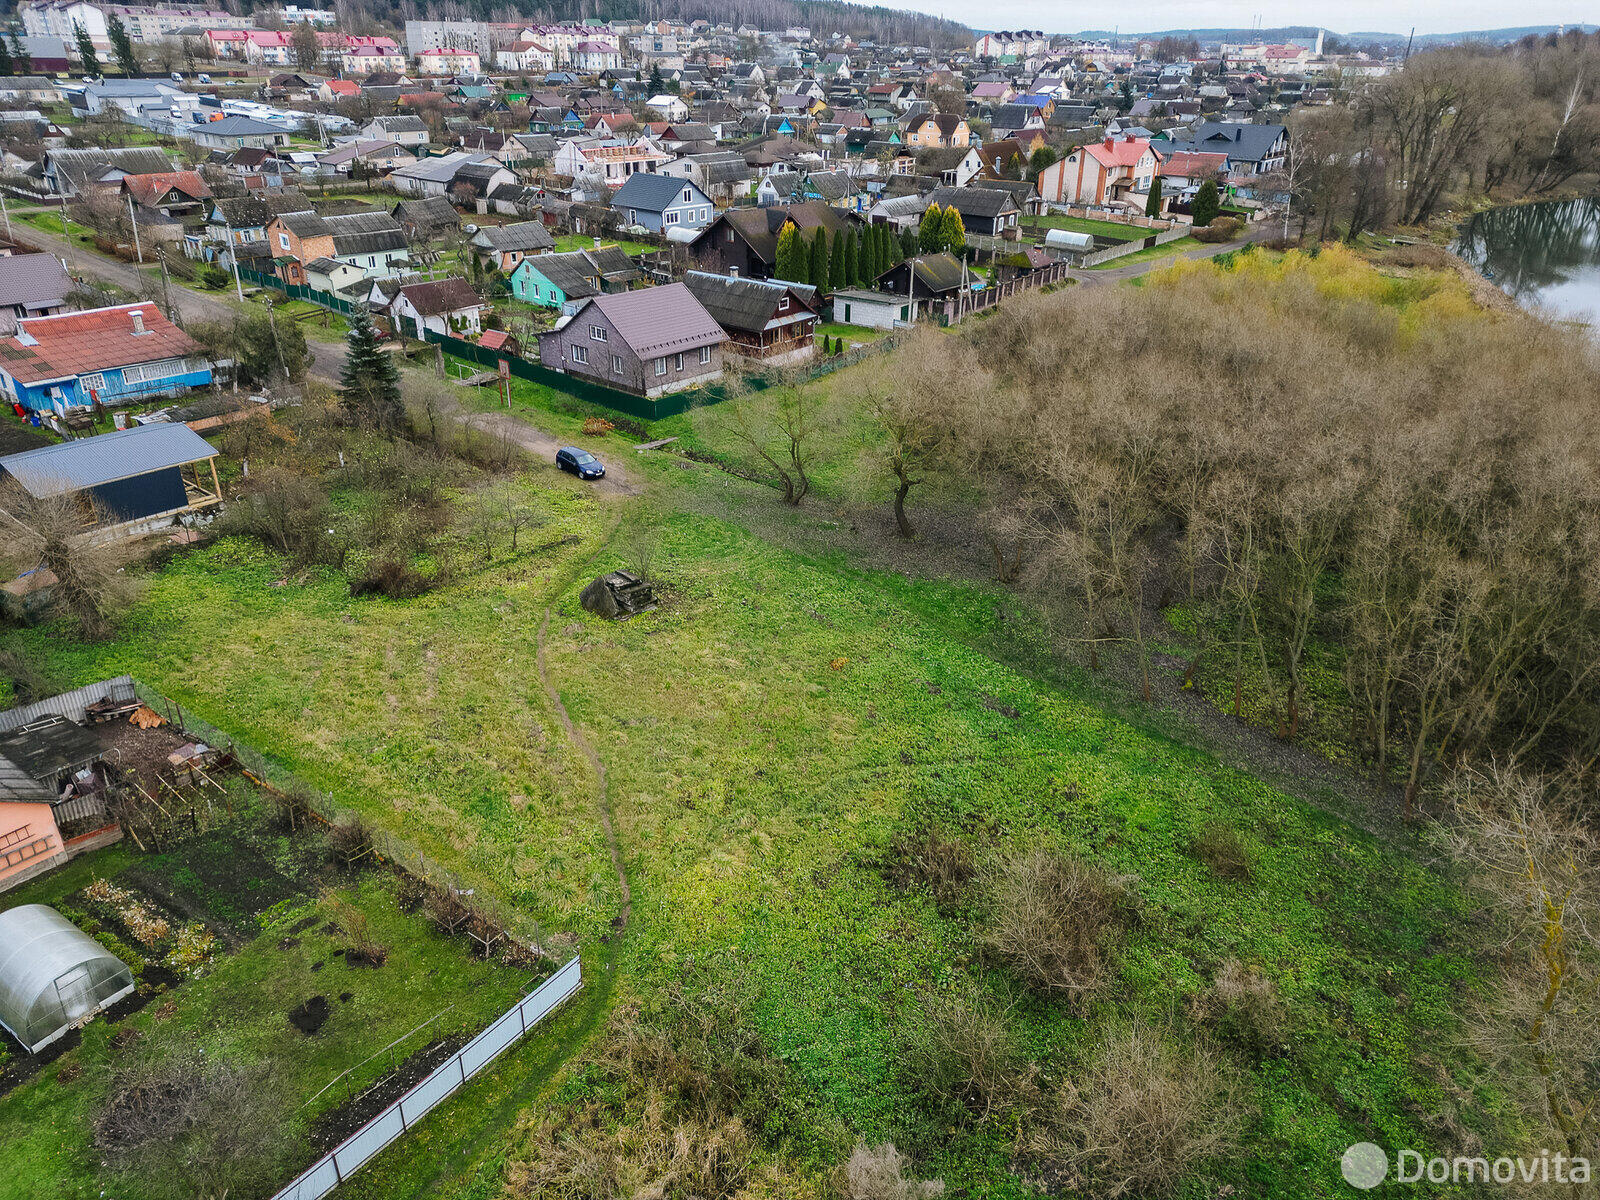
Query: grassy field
{"x": 1150, "y": 253}
{"x": 574, "y": 241}
{"x": 850, "y": 333}
{"x": 1112, "y": 230}
{"x": 238, "y": 1009}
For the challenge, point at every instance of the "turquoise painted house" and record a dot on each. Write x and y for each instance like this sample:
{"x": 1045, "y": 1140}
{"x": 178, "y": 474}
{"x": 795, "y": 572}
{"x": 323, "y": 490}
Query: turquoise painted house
{"x": 556, "y": 280}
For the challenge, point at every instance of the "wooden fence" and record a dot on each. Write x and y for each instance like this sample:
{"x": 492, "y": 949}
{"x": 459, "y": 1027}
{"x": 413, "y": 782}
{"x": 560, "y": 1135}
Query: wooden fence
{"x": 958, "y": 308}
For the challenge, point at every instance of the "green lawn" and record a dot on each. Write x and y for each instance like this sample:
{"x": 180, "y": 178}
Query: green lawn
{"x": 850, "y": 333}
{"x": 239, "y": 1009}
{"x": 573, "y": 241}
{"x": 1176, "y": 246}
{"x": 1113, "y": 230}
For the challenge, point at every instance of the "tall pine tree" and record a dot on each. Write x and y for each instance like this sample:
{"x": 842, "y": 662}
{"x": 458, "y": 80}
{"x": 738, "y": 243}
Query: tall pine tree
{"x": 1152, "y": 206}
{"x": 928, "y": 231}
{"x": 86, "y": 54}
{"x": 7, "y": 66}
{"x": 122, "y": 46}
{"x": 819, "y": 260}
{"x": 838, "y": 275}
{"x": 849, "y": 276}
{"x": 370, "y": 382}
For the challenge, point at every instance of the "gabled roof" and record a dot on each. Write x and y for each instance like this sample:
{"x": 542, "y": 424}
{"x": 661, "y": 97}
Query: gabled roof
{"x": 759, "y": 227}
{"x": 522, "y": 235}
{"x": 573, "y": 272}
{"x": 236, "y": 126}
{"x": 79, "y": 165}
{"x": 33, "y": 280}
{"x": 147, "y": 189}
{"x": 934, "y": 272}
{"x": 974, "y": 202}
{"x": 71, "y": 344}
{"x": 655, "y": 321}
{"x": 441, "y": 296}
{"x": 650, "y": 192}
{"x": 431, "y": 212}
{"x": 1117, "y": 152}
{"x": 250, "y": 212}
{"x": 105, "y": 458}
{"x": 749, "y": 305}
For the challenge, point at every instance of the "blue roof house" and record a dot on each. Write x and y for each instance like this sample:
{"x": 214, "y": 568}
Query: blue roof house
{"x": 661, "y": 202}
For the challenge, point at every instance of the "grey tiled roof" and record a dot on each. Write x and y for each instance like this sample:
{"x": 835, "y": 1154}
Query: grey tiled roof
{"x": 88, "y": 462}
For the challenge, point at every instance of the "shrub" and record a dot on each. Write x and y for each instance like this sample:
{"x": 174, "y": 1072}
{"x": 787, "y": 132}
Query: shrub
{"x": 962, "y": 1055}
{"x": 878, "y": 1173}
{"x": 1146, "y": 1114}
{"x": 1243, "y": 1008}
{"x": 349, "y": 840}
{"x": 1221, "y": 849}
{"x": 1223, "y": 229}
{"x": 1053, "y": 919}
{"x": 396, "y": 580}
{"x": 927, "y": 858}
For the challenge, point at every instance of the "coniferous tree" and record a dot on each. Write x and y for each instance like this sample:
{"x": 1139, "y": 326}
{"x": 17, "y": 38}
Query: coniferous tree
{"x": 370, "y": 382}
{"x": 838, "y": 264}
{"x": 909, "y": 245}
{"x": 1206, "y": 205}
{"x": 928, "y": 231}
{"x": 952, "y": 233}
{"x": 792, "y": 263}
{"x": 7, "y": 66}
{"x": 19, "y": 53}
{"x": 819, "y": 260}
{"x": 122, "y": 45}
{"x": 86, "y": 55}
{"x": 1152, "y": 206}
{"x": 852, "y": 246}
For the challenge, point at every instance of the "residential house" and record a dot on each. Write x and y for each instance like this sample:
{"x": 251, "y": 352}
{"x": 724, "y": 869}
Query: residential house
{"x": 525, "y": 57}
{"x": 670, "y": 107}
{"x": 771, "y": 320}
{"x": 1105, "y": 173}
{"x": 938, "y": 131}
{"x": 367, "y": 60}
{"x": 120, "y": 355}
{"x": 988, "y": 212}
{"x": 744, "y": 241}
{"x": 73, "y": 173}
{"x": 1024, "y": 191}
{"x": 240, "y": 222}
{"x": 649, "y": 342}
{"x": 558, "y": 280}
{"x": 449, "y": 61}
{"x": 31, "y": 285}
{"x": 721, "y": 174}
{"x": 507, "y": 245}
{"x": 336, "y": 278}
{"x": 428, "y": 218}
{"x": 661, "y": 203}
{"x": 403, "y": 130}
{"x": 614, "y": 160}
{"x": 476, "y": 172}
{"x": 1251, "y": 149}
{"x": 926, "y": 277}
{"x": 447, "y": 306}
{"x": 875, "y": 310}
{"x": 373, "y": 156}
{"x": 373, "y": 241}
{"x": 1184, "y": 169}
{"x": 232, "y": 132}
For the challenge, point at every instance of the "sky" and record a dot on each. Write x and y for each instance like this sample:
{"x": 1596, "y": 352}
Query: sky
{"x": 1382, "y": 16}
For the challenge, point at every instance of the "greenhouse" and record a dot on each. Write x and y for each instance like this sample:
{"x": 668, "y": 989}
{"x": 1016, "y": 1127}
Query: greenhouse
{"x": 52, "y": 975}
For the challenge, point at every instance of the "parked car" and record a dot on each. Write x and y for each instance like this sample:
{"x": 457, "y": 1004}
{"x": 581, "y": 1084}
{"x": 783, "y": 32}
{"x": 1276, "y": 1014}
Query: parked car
{"x": 580, "y": 462}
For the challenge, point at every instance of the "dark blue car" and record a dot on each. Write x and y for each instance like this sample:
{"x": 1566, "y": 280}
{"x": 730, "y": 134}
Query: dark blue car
{"x": 580, "y": 462}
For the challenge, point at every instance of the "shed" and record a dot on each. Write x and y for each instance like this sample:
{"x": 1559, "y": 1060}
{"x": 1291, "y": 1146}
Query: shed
{"x": 53, "y": 975}
{"x": 124, "y": 475}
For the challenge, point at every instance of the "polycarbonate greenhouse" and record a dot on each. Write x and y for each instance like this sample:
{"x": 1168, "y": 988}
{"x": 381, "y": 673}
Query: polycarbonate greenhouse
{"x": 52, "y": 975}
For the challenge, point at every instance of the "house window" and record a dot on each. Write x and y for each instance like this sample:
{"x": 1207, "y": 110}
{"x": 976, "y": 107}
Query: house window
{"x": 142, "y": 372}
{"x": 730, "y": 235}
{"x": 283, "y": 240}
{"x": 705, "y": 355}
{"x": 597, "y": 333}
{"x": 94, "y": 383}
{"x": 371, "y": 261}
{"x": 616, "y": 364}
{"x": 783, "y": 304}
{"x": 661, "y": 366}
{"x": 580, "y": 354}
{"x": 672, "y": 218}
{"x": 687, "y": 194}
{"x": 679, "y": 364}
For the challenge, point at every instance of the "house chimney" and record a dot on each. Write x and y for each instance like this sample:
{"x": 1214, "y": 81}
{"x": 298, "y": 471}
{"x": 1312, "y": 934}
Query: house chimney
{"x": 1110, "y": 141}
{"x": 138, "y": 321}
{"x": 597, "y": 243}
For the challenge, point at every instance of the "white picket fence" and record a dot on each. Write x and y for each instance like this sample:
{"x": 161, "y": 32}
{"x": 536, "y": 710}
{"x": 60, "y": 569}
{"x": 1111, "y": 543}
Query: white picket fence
{"x": 332, "y": 1169}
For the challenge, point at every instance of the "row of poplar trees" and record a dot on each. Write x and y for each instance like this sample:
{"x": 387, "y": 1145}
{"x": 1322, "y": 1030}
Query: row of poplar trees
{"x": 851, "y": 258}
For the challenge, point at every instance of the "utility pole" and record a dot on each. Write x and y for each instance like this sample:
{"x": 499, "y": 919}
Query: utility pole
{"x": 6, "y": 215}
{"x": 133, "y": 217}
{"x": 233, "y": 257}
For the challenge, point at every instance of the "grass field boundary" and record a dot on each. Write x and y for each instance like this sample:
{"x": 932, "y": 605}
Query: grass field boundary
{"x": 333, "y": 1168}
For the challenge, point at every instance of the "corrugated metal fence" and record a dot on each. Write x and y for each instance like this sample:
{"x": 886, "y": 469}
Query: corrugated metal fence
{"x": 297, "y": 291}
{"x": 332, "y": 1169}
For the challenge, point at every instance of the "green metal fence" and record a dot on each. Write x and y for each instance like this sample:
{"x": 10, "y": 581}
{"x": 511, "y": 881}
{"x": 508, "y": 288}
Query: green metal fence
{"x": 297, "y": 291}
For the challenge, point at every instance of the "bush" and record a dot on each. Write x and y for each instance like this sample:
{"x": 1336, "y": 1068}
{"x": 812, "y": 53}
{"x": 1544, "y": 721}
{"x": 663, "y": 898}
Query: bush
{"x": 927, "y": 858}
{"x": 1053, "y": 919}
{"x": 878, "y": 1173}
{"x": 1223, "y": 229}
{"x": 287, "y": 512}
{"x": 1243, "y": 1008}
{"x": 1146, "y": 1114}
{"x": 1221, "y": 849}
{"x": 962, "y": 1055}
{"x": 394, "y": 580}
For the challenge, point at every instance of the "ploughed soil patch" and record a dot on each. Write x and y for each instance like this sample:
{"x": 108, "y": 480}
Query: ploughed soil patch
{"x": 22, "y": 1066}
{"x": 219, "y": 878}
{"x": 309, "y": 1016}
{"x": 334, "y": 1126}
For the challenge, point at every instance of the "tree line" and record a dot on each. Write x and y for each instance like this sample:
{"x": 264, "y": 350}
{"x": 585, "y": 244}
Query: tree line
{"x": 1307, "y": 466}
{"x": 850, "y": 258}
{"x": 1525, "y": 119}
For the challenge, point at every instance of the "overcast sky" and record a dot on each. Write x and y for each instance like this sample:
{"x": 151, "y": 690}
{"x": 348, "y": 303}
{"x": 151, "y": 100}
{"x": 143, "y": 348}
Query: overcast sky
{"x": 1383, "y": 16}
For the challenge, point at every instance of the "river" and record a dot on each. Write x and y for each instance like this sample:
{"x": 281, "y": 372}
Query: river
{"x": 1545, "y": 254}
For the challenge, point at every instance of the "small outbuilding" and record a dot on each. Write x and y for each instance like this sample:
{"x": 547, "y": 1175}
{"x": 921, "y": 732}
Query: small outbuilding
{"x": 53, "y": 976}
